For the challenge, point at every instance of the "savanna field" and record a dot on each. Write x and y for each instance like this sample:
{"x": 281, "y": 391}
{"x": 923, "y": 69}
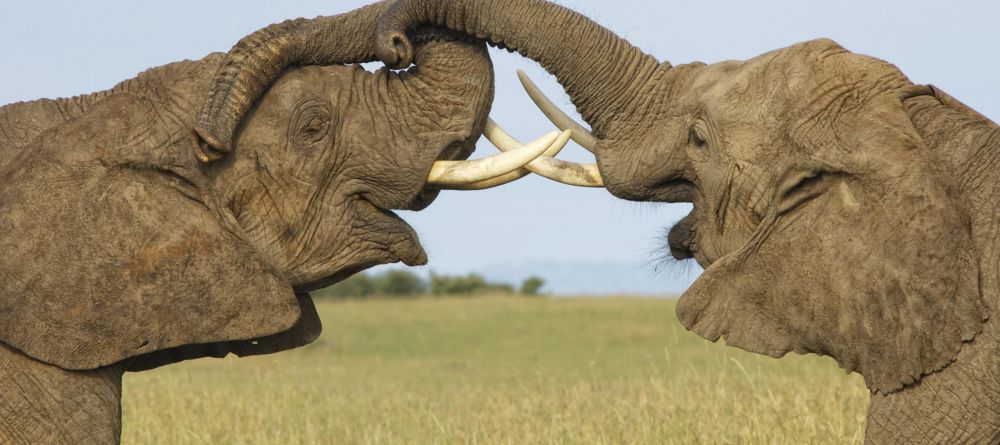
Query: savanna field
{"x": 509, "y": 370}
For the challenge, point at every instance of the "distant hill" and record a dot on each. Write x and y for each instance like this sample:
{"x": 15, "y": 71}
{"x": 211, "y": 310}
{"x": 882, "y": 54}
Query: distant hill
{"x": 597, "y": 278}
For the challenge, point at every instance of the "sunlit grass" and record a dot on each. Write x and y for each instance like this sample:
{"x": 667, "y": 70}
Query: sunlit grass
{"x": 498, "y": 370}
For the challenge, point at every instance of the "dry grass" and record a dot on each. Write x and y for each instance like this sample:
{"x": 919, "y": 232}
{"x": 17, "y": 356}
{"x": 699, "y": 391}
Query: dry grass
{"x": 498, "y": 370}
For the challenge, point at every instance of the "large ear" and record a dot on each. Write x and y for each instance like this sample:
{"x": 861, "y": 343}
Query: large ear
{"x": 304, "y": 331}
{"x": 878, "y": 271}
{"x": 105, "y": 259}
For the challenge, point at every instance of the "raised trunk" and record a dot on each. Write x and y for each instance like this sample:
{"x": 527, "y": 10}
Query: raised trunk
{"x": 450, "y": 89}
{"x": 258, "y": 59}
{"x": 601, "y": 72}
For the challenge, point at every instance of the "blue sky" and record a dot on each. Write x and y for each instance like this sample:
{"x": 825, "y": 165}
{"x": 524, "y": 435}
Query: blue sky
{"x": 64, "y": 48}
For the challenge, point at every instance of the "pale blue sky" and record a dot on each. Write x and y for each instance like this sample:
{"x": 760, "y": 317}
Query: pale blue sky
{"x": 64, "y": 48}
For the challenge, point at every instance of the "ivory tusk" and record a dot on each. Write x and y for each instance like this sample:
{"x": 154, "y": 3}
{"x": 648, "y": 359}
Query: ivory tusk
{"x": 553, "y": 150}
{"x": 581, "y": 175}
{"x": 561, "y": 120}
{"x": 452, "y": 173}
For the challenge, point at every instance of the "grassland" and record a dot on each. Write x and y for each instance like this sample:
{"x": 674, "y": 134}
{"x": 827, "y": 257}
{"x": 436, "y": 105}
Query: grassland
{"x": 498, "y": 370}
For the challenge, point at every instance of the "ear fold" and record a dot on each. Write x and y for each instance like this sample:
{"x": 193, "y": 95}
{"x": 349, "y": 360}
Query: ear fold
{"x": 304, "y": 331}
{"x": 878, "y": 272}
{"x": 103, "y": 260}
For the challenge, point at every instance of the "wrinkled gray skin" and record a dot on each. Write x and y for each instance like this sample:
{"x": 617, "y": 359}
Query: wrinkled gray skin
{"x": 838, "y": 208}
{"x": 123, "y": 251}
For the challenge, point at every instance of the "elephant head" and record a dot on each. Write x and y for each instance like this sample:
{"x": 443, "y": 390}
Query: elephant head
{"x": 121, "y": 240}
{"x": 825, "y": 221}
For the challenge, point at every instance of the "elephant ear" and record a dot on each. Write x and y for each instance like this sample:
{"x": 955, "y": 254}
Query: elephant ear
{"x": 105, "y": 258}
{"x": 877, "y": 272}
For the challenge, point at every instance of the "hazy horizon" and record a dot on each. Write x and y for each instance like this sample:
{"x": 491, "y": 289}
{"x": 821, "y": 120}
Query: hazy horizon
{"x": 62, "y": 48}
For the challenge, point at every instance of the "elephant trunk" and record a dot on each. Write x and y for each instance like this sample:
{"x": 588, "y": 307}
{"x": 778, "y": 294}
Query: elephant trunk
{"x": 456, "y": 78}
{"x": 258, "y": 59}
{"x": 601, "y": 72}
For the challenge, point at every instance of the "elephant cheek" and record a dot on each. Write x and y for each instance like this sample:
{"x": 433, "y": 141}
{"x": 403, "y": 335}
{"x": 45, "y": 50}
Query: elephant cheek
{"x": 736, "y": 299}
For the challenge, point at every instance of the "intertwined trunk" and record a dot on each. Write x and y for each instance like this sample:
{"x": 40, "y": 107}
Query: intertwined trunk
{"x": 450, "y": 89}
{"x": 602, "y": 73}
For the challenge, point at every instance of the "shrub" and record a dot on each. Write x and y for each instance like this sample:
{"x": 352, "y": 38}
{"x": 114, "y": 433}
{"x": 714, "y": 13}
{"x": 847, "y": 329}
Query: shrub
{"x": 356, "y": 286}
{"x": 471, "y": 284}
{"x": 532, "y": 286}
{"x": 403, "y": 283}
{"x": 399, "y": 283}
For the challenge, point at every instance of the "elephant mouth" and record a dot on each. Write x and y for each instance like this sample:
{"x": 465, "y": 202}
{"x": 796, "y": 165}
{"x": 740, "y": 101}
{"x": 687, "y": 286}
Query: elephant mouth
{"x": 682, "y": 239}
{"x": 396, "y": 236}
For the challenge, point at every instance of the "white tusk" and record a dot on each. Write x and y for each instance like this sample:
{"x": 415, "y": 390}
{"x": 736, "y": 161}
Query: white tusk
{"x": 451, "y": 173}
{"x": 561, "y": 120}
{"x": 569, "y": 173}
{"x": 490, "y": 183}
{"x": 582, "y": 175}
{"x": 553, "y": 150}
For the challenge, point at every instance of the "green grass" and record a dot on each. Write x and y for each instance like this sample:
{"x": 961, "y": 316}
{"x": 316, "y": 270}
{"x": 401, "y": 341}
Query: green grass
{"x": 498, "y": 370}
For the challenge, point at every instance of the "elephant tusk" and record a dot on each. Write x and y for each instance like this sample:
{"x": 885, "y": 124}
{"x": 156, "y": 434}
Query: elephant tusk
{"x": 553, "y": 150}
{"x": 454, "y": 173}
{"x": 581, "y": 175}
{"x": 561, "y": 120}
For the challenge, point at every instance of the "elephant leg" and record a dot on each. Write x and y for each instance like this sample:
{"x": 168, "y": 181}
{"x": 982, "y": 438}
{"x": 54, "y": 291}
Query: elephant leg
{"x": 45, "y": 404}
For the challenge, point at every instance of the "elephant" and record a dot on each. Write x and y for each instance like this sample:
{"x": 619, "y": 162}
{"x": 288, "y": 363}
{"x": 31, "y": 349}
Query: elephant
{"x": 839, "y": 209}
{"x": 128, "y": 243}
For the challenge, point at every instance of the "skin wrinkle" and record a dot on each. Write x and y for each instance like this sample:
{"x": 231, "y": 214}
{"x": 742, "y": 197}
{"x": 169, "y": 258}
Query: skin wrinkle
{"x": 6, "y": 136}
{"x": 976, "y": 174}
{"x": 93, "y": 389}
{"x": 317, "y": 204}
{"x": 316, "y": 208}
{"x": 757, "y": 194}
{"x": 725, "y": 189}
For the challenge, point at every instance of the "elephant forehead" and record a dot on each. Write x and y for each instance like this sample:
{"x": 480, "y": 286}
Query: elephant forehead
{"x": 782, "y": 77}
{"x": 316, "y": 81}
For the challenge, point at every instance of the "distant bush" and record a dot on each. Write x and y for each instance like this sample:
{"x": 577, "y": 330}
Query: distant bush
{"x": 403, "y": 283}
{"x": 399, "y": 283}
{"x": 391, "y": 283}
{"x": 471, "y": 284}
{"x": 532, "y": 286}
{"x": 356, "y": 286}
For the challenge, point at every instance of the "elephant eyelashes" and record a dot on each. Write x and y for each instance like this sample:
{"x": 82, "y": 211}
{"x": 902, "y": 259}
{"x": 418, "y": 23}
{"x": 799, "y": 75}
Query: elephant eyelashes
{"x": 311, "y": 123}
{"x": 314, "y": 127}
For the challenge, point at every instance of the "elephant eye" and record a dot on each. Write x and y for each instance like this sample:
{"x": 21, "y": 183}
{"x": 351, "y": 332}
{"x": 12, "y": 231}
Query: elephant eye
{"x": 314, "y": 127}
{"x": 311, "y": 123}
{"x": 695, "y": 137}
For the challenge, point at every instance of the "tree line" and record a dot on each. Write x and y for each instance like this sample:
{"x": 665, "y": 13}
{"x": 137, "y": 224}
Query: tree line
{"x": 403, "y": 283}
